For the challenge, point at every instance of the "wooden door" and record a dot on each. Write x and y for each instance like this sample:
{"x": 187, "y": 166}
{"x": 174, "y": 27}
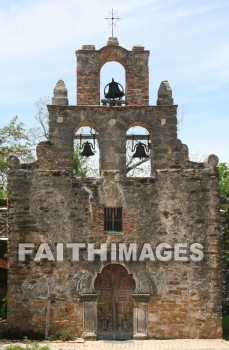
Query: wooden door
{"x": 115, "y": 306}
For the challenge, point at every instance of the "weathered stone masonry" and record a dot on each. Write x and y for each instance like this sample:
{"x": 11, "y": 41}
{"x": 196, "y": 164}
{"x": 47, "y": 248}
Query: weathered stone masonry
{"x": 3, "y": 250}
{"x": 3, "y": 222}
{"x": 90, "y": 61}
{"x": 179, "y": 202}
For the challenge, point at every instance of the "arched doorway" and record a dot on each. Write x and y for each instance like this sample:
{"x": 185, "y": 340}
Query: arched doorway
{"x": 114, "y": 304}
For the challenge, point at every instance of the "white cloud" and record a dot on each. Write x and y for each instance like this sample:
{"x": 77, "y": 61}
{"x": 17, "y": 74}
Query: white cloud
{"x": 42, "y": 26}
{"x": 188, "y": 41}
{"x": 36, "y": 28}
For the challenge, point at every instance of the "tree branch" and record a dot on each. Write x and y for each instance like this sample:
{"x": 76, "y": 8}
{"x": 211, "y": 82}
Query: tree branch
{"x": 129, "y": 168}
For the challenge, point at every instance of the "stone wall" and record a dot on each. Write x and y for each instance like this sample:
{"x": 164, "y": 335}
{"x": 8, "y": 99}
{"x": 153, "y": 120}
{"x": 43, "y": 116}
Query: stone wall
{"x": 178, "y": 203}
{"x": 160, "y": 121}
{"x": 3, "y": 222}
{"x": 90, "y": 62}
{"x": 3, "y": 252}
{"x": 173, "y": 206}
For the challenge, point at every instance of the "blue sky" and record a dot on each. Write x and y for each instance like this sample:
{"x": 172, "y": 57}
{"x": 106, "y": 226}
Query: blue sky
{"x": 188, "y": 43}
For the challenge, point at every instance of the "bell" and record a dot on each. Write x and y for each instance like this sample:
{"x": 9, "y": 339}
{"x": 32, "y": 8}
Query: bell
{"x": 140, "y": 151}
{"x": 114, "y": 90}
{"x": 87, "y": 151}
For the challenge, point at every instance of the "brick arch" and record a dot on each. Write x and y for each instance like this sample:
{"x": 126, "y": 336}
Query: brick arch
{"x": 113, "y": 53}
{"x": 116, "y": 54}
{"x": 141, "y": 124}
{"x": 90, "y": 62}
{"x": 86, "y": 123}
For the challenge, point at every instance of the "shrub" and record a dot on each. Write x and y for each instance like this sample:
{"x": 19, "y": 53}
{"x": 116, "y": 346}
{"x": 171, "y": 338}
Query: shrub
{"x": 15, "y": 333}
{"x": 226, "y": 327}
{"x": 65, "y": 335}
{"x": 4, "y": 309}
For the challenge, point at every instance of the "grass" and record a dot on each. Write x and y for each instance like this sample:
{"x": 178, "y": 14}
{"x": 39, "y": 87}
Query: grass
{"x": 31, "y": 345}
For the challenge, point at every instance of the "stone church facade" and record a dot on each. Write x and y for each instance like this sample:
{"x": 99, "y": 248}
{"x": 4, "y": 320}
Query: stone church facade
{"x": 106, "y": 298}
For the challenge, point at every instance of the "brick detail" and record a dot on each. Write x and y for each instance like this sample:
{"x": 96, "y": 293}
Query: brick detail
{"x": 179, "y": 203}
{"x": 135, "y": 63}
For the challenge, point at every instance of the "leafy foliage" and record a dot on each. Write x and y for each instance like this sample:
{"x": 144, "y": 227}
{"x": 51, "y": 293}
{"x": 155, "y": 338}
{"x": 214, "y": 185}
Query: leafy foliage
{"x": 64, "y": 335}
{"x": 15, "y": 333}
{"x": 227, "y": 233}
{"x": 224, "y": 179}
{"x": 4, "y": 309}
{"x": 3, "y": 194}
{"x": 13, "y": 140}
{"x": 224, "y": 192}
{"x": 41, "y": 133}
{"x": 80, "y": 164}
{"x": 226, "y": 327}
{"x": 31, "y": 345}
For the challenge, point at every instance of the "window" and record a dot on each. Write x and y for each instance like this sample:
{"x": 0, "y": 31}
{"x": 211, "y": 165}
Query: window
{"x": 113, "y": 219}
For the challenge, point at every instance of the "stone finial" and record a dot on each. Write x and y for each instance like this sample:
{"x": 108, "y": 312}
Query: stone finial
{"x": 13, "y": 162}
{"x": 213, "y": 161}
{"x": 137, "y": 47}
{"x": 60, "y": 94}
{"x": 88, "y": 47}
{"x": 113, "y": 41}
{"x": 164, "y": 94}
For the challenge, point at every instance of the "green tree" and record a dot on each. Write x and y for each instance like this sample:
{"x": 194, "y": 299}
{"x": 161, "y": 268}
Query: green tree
{"x": 80, "y": 163}
{"x": 224, "y": 192}
{"x": 224, "y": 179}
{"x": 41, "y": 133}
{"x": 14, "y": 139}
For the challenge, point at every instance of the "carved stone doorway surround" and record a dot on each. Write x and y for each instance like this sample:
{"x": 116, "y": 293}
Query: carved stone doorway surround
{"x": 144, "y": 288}
{"x": 115, "y": 287}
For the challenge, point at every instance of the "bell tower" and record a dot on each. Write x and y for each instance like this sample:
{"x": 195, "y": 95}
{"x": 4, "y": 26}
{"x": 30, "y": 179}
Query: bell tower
{"x": 125, "y": 282}
{"x": 90, "y": 62}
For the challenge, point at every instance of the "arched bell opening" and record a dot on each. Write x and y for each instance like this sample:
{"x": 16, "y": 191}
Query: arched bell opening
{"x": 112, "y": 84}
{"x": 138, "y": 150}
{"x": 86, "y": 155}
